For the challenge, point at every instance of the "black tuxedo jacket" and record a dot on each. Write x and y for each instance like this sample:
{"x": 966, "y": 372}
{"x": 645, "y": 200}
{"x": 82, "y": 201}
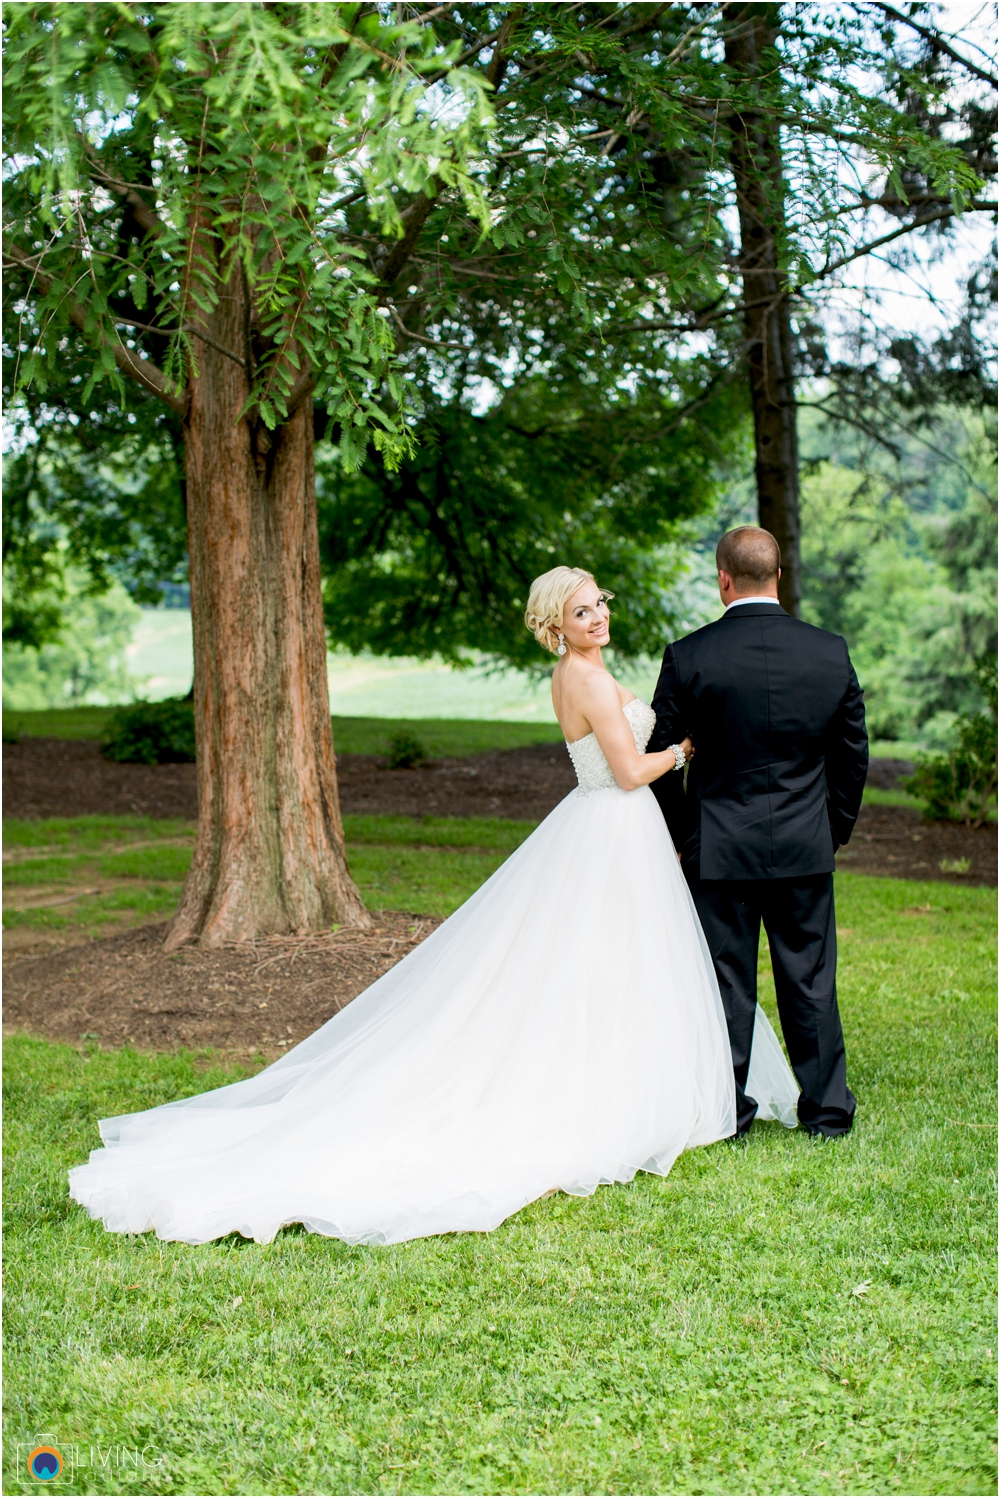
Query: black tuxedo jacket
{"x": 778, "y": 723}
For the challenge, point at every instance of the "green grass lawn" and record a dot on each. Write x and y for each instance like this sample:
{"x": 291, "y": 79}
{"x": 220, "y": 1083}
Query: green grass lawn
{"x": 786, "y": 1316}
{"x": 137, "y": 866}
{"x": 872, "y": 795}
{"x": 55, "y": 723}
{"x": 441, "y": 736}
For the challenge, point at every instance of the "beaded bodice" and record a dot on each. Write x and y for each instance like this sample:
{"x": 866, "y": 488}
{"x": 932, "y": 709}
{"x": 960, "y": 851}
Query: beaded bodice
{"x": 592, "y": 770}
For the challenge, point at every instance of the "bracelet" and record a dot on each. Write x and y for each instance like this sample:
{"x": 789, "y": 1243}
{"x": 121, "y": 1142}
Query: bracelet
{"x": 680, "y": 758}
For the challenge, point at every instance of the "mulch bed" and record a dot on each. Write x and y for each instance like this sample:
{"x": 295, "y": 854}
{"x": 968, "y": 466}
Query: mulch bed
{"x": 70, "y": 778}
{"x": 124, "y": 990}
{"x": 896, "y": 840}
{"x": 524, "y": 784}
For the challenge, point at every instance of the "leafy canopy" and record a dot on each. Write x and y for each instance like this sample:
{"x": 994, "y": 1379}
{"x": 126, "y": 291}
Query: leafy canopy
{"x": 228, "y": 134}
{"x": 521, "y": 211}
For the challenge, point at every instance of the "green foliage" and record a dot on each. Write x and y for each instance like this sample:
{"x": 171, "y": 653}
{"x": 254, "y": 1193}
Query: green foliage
{"x": 900, "y": 557}
{"x": 963, "y": 783}
{"x": 565, "y": 464}
{"x": 93, "y": 488}
{"x": 238, "y": 162}
{"x": 151, "y": 733}
{"x": 894, "y": 386}
{"x": 406, "y": 750}
{"x": 441, "y": 553}
{"x": 404, "y": 249}
{"x": 783, "y": 1316}
{"x": 82, "y": 656}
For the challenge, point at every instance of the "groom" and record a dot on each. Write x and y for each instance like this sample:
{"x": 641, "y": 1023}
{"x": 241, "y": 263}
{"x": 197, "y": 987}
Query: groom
{"x": 778, "y": 723}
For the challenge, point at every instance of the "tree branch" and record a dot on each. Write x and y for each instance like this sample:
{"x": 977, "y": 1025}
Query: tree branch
{"x": 141, "y": 370}
{"x": 219, "y": 348}
{"x": 699, "y": 322}
{"x": 419, "y": 337}
{"x": 460, "y": 62}
{"x": 875, "y": 429}
{"x": 428, "y": 15}
{"x": 936, "y": 40}
{"x": 866, "y": 249}
{"x": 129, "y": 322}
{"x": 499, "y": 61}
{"x": 352, "y": 197}
{"x": 300, "y": 391}
{"x": 146, "y": 217}
{"x": 415, "y": 218}
{"x": 902, "y": 205}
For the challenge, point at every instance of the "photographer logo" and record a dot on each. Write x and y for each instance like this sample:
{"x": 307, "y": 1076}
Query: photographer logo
{"x": 45, "y": 1463}
{"x": 47, "y": 1459}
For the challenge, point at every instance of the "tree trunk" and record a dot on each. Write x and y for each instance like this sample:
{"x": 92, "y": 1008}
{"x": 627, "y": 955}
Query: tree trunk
{"x": 755, "y": 158}
{"x": 269, "y": 855}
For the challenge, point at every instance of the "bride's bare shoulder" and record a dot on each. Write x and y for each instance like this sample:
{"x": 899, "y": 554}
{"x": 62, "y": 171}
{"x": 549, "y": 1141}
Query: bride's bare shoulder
{"x": 599, "y": 678}
{"x": 582, "y": 693}
{"x": 592, "y": 684}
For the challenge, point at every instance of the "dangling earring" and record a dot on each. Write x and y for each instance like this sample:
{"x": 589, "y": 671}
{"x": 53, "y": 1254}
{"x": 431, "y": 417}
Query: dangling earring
{"x": 562, "y": 646}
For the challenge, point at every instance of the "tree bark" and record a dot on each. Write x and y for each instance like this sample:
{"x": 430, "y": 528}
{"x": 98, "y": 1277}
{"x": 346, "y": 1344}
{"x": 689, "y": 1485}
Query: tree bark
{"x": 755, "y": 159}
{"x": 269, "y": 856}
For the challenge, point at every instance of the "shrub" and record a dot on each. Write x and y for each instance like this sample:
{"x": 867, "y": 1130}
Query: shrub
{"x": 406, "y": 750}
{"x": 962, "y": 784}
{"x": 151, "y": 733}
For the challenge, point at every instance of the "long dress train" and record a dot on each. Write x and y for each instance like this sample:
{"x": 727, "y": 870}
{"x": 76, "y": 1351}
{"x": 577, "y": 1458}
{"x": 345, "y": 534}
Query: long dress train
{"x": 563, "y": 1029}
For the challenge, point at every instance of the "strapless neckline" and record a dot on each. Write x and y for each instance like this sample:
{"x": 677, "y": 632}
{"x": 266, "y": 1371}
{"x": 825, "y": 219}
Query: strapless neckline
{"x": 572, "y": 743}
{"x": 593, "y": 773}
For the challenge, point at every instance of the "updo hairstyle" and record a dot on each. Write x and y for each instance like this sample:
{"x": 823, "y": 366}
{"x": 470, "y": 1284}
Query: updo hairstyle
{"x": 548, "y": 597}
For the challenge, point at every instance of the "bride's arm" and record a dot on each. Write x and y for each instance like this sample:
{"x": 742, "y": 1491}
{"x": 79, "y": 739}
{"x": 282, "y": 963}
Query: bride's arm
{"x": 600, "y": 704}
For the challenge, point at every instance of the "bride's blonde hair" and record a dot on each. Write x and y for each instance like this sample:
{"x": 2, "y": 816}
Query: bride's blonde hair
{"x": 548, "y": 597}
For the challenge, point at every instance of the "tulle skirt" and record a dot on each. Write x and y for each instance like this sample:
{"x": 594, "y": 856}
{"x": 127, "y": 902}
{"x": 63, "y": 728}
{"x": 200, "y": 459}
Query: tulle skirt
{"x": 562, "y": 1030}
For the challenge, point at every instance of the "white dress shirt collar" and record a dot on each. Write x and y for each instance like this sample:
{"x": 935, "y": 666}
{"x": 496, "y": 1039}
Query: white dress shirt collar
{"x": 737, "y": 601}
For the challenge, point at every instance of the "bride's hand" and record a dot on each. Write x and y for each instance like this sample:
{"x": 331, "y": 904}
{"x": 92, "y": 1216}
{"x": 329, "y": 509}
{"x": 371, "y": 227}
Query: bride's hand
{"x": 688, "y": 747}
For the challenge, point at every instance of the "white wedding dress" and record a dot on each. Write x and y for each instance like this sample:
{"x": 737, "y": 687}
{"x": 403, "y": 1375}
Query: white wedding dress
{"x": 563, "y": 1029}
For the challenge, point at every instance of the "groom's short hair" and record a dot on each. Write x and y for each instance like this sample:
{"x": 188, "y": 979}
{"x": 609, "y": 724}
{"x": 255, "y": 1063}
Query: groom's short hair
{"x": 749, "y": 555}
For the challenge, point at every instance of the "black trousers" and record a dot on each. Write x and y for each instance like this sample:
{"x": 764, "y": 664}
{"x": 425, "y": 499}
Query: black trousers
{"x": 798, "y": 917}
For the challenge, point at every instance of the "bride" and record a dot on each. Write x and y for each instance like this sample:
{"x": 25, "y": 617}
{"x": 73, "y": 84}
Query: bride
{"x": 560, "y": 1031}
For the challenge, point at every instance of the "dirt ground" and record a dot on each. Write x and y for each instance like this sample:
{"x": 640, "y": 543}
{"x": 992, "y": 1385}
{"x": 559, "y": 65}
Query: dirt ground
{"x": 69, "y": 778}
{"x": 123, "y": 990}
{"x": 895, "y": 840}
